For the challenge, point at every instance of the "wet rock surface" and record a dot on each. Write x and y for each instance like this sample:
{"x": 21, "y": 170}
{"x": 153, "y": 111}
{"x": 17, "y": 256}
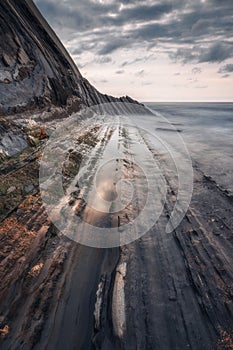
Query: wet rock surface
{"x": 163, "y": 291}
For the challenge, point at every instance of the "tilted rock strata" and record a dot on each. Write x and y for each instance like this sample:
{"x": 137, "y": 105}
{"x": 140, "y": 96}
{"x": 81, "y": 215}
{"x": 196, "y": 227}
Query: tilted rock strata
{"x": 35, "y": 68}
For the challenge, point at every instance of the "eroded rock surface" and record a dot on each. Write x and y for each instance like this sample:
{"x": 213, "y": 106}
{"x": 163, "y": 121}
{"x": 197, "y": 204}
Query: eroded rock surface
{"x": 35, "y": 68}
{"x": 163, "y": 291}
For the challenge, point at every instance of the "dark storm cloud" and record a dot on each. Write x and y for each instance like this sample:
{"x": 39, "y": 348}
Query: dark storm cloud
{"x": 189, "y": 31}
{"x": 114, "y": 44}
{"x": 143, "y": 13}
{"x": 228, "y": 68}
{"x": 215, "y": 52}
{"x": 83, "y": 14}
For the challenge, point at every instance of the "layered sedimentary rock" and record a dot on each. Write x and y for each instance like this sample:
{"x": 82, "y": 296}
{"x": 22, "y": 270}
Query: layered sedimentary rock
{"x": 35, "y": 68}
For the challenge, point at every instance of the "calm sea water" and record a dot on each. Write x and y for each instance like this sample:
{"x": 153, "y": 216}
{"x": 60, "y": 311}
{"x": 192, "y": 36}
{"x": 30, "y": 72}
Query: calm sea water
{"x": 191, "y": 114}
{"x": 207, "y": 130}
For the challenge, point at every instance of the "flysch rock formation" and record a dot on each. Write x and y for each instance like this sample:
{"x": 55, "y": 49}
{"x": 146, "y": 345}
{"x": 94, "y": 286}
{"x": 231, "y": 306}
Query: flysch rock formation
{"x": 39, "y": 80}
{"x": 35, "y": 69}
{"x": 160, "y": 292}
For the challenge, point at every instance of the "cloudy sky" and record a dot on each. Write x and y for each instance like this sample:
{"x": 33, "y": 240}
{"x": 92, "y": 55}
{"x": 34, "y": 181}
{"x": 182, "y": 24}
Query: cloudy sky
{"x": 153, "y": 50}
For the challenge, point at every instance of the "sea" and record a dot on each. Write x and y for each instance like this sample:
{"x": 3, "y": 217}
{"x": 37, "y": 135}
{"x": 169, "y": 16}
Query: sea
{"x": 207, "y": 131}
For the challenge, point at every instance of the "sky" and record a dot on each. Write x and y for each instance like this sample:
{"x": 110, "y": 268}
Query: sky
{"x": 153, "y": 50}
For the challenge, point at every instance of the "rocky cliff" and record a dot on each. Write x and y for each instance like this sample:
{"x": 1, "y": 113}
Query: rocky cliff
{"x": 35, "y": 68}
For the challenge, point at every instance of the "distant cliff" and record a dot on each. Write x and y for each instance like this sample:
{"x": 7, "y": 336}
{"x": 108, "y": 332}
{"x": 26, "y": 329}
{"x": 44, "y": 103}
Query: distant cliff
{"x": 35, "y": 68}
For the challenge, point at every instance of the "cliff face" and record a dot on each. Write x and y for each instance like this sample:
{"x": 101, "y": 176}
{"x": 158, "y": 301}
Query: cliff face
{"x": 35, "y": 68}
